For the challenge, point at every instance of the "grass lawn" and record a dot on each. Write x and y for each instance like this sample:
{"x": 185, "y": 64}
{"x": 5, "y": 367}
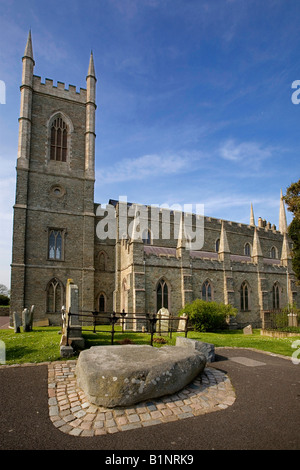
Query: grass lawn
{"x": 42, "y": 344}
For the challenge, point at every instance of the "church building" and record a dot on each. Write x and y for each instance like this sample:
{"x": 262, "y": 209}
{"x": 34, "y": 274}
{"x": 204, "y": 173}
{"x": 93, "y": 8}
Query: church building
{"x": 123, "y": 256}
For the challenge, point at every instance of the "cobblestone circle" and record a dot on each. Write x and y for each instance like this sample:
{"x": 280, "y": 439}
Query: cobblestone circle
{"x": 71, "y": 412}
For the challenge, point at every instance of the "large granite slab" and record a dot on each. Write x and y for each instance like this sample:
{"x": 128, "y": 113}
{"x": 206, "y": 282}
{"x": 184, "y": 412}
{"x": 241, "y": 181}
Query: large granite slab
{"x": 114, "y": 376}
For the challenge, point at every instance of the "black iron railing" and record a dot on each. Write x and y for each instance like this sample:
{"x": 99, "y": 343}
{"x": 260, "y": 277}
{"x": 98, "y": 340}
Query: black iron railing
{"x": 129, "y": 322}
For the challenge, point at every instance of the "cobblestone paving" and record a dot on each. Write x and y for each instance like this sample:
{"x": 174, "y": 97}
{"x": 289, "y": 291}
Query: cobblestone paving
{"x": 71, "y": 413}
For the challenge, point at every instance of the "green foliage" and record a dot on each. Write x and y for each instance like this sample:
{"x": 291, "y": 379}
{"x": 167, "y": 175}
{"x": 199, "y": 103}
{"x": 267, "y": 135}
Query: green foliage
{"x": 294, "y": 233}
{"x": 208, "y": 316}
{"x": 292, "y": 199}
{"x": 4, "y": 300}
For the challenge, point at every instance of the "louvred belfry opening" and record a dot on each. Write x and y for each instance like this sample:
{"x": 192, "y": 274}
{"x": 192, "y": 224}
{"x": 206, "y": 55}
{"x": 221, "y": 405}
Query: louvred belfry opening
{"x": 59, "y": 134}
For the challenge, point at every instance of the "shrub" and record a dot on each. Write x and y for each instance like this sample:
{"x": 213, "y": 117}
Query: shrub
{"x": 208, "y": 316}
{"x": 4, "y": 299}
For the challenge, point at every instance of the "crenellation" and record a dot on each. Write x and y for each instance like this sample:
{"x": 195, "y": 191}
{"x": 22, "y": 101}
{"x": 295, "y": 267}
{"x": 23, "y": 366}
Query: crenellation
{"x": 59, "y": 91}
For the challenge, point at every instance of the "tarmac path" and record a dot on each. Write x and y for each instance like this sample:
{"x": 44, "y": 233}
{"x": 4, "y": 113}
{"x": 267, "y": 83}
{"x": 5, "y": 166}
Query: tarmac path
{"x": 264, "y": 416}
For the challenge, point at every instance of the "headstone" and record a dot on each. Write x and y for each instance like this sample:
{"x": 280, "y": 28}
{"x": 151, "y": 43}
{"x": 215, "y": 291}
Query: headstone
{"x": 74, "y": 334}
{"x": 17, "y": 322}
{"x": 163, "y": 318}
{"x": 26, "y": 320}
{"x": 247, "y": 330}
{"x": 30, "y": 320}
{"x": 182, "y": 322}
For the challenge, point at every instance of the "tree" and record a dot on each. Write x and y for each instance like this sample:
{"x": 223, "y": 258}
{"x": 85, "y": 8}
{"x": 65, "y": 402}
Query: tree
{"x": 292, "y": 199}
{"x": 4, "y": 290}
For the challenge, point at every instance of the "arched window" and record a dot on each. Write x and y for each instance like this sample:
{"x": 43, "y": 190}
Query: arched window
{"x": 273, "y": 252}
{"x": 102, "y": 303}
{"x": 244, "y": 293}
{"x": 207, "y": 291}
{"x": 59, "y": 140}
{"x": 276, "y": 296}
{"x": 217, "y": 245}
{"x": 55, "y": 244}
{"x": 54, "y": 296}
{"x": 162, "y": 295}
{"x": 247, "y": 249}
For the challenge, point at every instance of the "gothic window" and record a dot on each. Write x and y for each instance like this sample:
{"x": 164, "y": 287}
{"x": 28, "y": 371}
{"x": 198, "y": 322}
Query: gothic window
{"x": 54, "y": 296}
{"x": 207, "y": 291}
{"x": 247, "y": 249}
{"x": 55, "y": 244}
{"x": 162, "y": 296}
{"x": 217, "y": 245}
{"x": 102, "y": 303}
{"x": 273, "y": 252}
{"x": 276, "y": 298}
{"x": 244, "y": 293}
{"x": 58, "y": 140}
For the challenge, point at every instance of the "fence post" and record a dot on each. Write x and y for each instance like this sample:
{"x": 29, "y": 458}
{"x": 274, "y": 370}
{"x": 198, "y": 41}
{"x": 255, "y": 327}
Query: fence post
{"x": 186, "y": 326}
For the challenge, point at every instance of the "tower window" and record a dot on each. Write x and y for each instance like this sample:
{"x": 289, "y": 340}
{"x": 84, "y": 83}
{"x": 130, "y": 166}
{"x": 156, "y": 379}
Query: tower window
{"x": 58, "y": 142}
{"x": 54, "y": 296}
{"x": 273, "y": 252}
{"x": 55, "y": 244}
{"x": 247, "y": 249}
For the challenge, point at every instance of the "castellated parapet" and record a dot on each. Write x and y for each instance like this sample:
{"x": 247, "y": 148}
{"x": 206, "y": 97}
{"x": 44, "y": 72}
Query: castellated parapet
{"x": 59, "y": 91}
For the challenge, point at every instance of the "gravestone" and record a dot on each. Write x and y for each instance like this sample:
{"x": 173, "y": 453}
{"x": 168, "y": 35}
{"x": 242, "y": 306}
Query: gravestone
{"x": 247, "y": 330}
{"x": 75, "y": 339}
{"x": 17, "y": 322}
{"x": 163, "y": 319}
{"x": 182, "y": 322}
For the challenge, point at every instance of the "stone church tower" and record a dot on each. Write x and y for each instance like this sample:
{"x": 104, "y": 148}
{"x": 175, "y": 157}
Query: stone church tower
{"x": 53, "y": 235}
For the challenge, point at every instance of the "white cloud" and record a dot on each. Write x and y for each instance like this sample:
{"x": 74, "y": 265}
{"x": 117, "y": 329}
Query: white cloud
{"x": 146, "y": 166}
{"x": 244, "y": 152}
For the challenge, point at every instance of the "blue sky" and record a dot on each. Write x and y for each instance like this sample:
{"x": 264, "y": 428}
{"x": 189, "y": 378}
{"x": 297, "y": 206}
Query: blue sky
{"x": 194, "y": 98}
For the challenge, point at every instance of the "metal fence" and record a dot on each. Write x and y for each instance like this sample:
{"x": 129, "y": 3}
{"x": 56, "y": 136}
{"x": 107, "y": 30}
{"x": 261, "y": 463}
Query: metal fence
{"x": 280, "y": 319}
{"x": 146, "y": 323}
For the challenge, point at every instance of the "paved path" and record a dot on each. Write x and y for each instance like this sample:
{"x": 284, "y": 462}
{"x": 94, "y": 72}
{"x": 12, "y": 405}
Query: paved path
{"x": 264, "y": 415}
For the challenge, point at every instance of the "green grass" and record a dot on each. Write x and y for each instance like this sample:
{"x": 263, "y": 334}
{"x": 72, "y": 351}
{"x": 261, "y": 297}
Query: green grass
{"x": 42, "y": 344}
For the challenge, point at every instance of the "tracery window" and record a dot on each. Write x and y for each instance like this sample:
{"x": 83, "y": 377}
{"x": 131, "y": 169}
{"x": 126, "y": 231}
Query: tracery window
{"x": 244, "y": 294}
{"x": 162, "y": 295}
{"x": 59, "y": 140}
{"x": 54, "y": 296}
{"x": 55, "y": 244}
{"x": 207, "y": 291}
